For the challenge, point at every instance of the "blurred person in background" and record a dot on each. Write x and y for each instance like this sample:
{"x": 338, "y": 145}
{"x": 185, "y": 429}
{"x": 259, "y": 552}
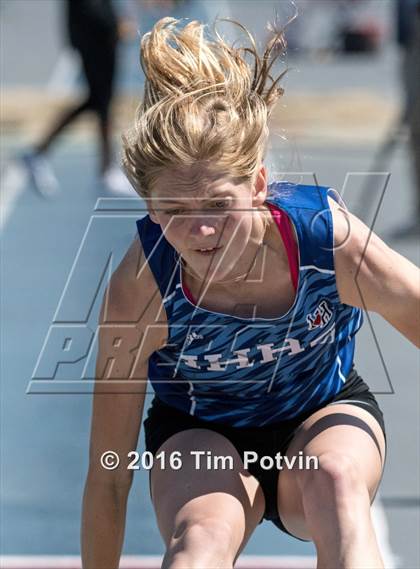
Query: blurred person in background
{"x": 358, "y": 28}
{"x": 94, "y": 31}
{"x": 408, "y": 36}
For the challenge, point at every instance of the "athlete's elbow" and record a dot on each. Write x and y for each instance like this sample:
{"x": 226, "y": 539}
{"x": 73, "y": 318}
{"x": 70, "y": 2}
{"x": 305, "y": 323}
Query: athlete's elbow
{"x": 413, "y": 334}
{"x": 408, "y": 324}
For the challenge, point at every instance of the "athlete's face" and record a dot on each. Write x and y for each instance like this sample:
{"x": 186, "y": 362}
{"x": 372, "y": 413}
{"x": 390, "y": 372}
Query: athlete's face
{"x": 211, "y": 221}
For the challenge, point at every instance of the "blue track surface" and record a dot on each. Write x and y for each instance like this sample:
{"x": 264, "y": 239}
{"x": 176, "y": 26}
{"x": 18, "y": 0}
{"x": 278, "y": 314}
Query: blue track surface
{"x": 44, "y": 438}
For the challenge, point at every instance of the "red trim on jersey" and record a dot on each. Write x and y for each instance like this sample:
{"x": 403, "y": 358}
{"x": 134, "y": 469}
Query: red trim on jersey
{"x": 285, "y": 227}
{"x": 187, "y": 292}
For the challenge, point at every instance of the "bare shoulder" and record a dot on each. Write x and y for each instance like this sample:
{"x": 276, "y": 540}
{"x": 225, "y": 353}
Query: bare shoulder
{"x": 369, "y": 273}
{"x": 357, "y": 250}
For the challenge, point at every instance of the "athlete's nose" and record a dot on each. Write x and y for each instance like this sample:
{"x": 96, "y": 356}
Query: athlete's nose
{"x": 207, "y": 230}
{"x": 203, "y": 227}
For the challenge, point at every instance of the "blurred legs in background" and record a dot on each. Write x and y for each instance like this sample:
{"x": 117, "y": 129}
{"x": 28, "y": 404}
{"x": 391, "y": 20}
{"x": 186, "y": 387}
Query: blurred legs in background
{"x": 412, "y": 70}
{"x": 408, "y": 20}
{"x": 93, "y": 32}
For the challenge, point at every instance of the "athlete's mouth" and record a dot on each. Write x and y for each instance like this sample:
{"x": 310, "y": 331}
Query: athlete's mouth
{"x": 207, "y": 250}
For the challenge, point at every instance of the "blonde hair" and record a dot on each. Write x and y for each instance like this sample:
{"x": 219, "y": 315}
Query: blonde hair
{"x": 203, "y": 103}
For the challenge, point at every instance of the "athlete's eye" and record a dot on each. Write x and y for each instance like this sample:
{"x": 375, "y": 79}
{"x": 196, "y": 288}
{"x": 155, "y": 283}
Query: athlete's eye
{"x": 222, "y": 204}
{"x": 174, "y": 211}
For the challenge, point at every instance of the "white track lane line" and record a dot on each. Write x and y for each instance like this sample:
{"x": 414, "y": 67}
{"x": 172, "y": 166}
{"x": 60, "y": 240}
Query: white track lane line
{"x": 150, "y": 562}
{"x": 12, "y": 183}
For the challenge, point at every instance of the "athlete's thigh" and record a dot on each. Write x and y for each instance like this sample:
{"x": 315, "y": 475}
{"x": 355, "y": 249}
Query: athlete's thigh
{"x": 190, "y": 494}
{"x": 331, "y": 429}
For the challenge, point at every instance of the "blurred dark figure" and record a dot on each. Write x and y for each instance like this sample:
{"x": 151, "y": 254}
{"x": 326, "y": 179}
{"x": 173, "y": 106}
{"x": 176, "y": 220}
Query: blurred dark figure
{"x": 93, "y": 31}
{"x": 408, "y": 36}
{"x": 358, "y": 31}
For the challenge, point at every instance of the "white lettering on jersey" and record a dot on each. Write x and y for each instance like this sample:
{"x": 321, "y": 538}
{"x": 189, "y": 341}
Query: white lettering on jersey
{"x": 290, "y": 345}
{"x": 269, "y": 353}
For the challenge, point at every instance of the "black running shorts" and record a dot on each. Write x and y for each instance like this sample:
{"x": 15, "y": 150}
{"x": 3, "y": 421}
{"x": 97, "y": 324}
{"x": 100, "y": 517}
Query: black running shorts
{"x": 163, "y": 421}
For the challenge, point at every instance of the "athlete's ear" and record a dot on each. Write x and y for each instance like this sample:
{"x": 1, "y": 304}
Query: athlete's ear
{"x": 152, "y": 215}
{"x": 260, "y": 187}
{"x": 151, "y": 202}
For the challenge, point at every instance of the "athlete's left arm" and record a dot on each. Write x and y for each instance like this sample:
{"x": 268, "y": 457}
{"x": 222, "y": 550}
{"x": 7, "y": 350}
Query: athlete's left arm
{"x": 387, "y": 282}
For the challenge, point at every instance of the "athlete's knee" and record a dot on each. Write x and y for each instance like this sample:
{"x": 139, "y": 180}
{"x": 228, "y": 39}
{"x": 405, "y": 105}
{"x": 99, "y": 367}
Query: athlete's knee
{"x": 209, "y": 530}
{"x": 337, "y": 480}
{"x": 201, "y": 544}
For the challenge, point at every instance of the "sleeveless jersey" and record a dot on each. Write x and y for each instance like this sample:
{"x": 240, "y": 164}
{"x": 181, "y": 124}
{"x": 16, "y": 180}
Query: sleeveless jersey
{"x": 248, "y": 372}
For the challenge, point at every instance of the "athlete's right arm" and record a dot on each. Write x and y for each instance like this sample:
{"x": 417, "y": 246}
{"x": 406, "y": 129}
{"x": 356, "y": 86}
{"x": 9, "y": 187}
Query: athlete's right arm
{"x": 129, "y": 333}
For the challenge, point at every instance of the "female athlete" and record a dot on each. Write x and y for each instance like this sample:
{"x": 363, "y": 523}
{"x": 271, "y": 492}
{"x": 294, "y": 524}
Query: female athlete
{"x": 239, "y": 301}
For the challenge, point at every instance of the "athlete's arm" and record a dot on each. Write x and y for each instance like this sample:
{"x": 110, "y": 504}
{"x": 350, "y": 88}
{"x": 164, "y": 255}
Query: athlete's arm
{"x": 387, "y": 282}
{"x": 126, "y": 341}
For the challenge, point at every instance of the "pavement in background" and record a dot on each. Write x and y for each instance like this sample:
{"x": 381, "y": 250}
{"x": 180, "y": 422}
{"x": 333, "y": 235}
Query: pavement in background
{"x": 45, "y": 437}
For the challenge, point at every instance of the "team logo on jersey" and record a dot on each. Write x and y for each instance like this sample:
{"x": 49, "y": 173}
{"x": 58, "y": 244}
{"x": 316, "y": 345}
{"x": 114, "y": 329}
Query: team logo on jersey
{"x": 320, "y": 316}
{"x": 191, "y": 337}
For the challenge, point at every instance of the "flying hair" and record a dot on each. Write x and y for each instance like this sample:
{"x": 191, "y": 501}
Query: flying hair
{"x": 204, "y": 102}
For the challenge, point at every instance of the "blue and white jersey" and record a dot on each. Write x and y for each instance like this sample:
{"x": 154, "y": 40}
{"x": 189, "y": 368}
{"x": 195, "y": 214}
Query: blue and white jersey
{"x": 256, "y": 371}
